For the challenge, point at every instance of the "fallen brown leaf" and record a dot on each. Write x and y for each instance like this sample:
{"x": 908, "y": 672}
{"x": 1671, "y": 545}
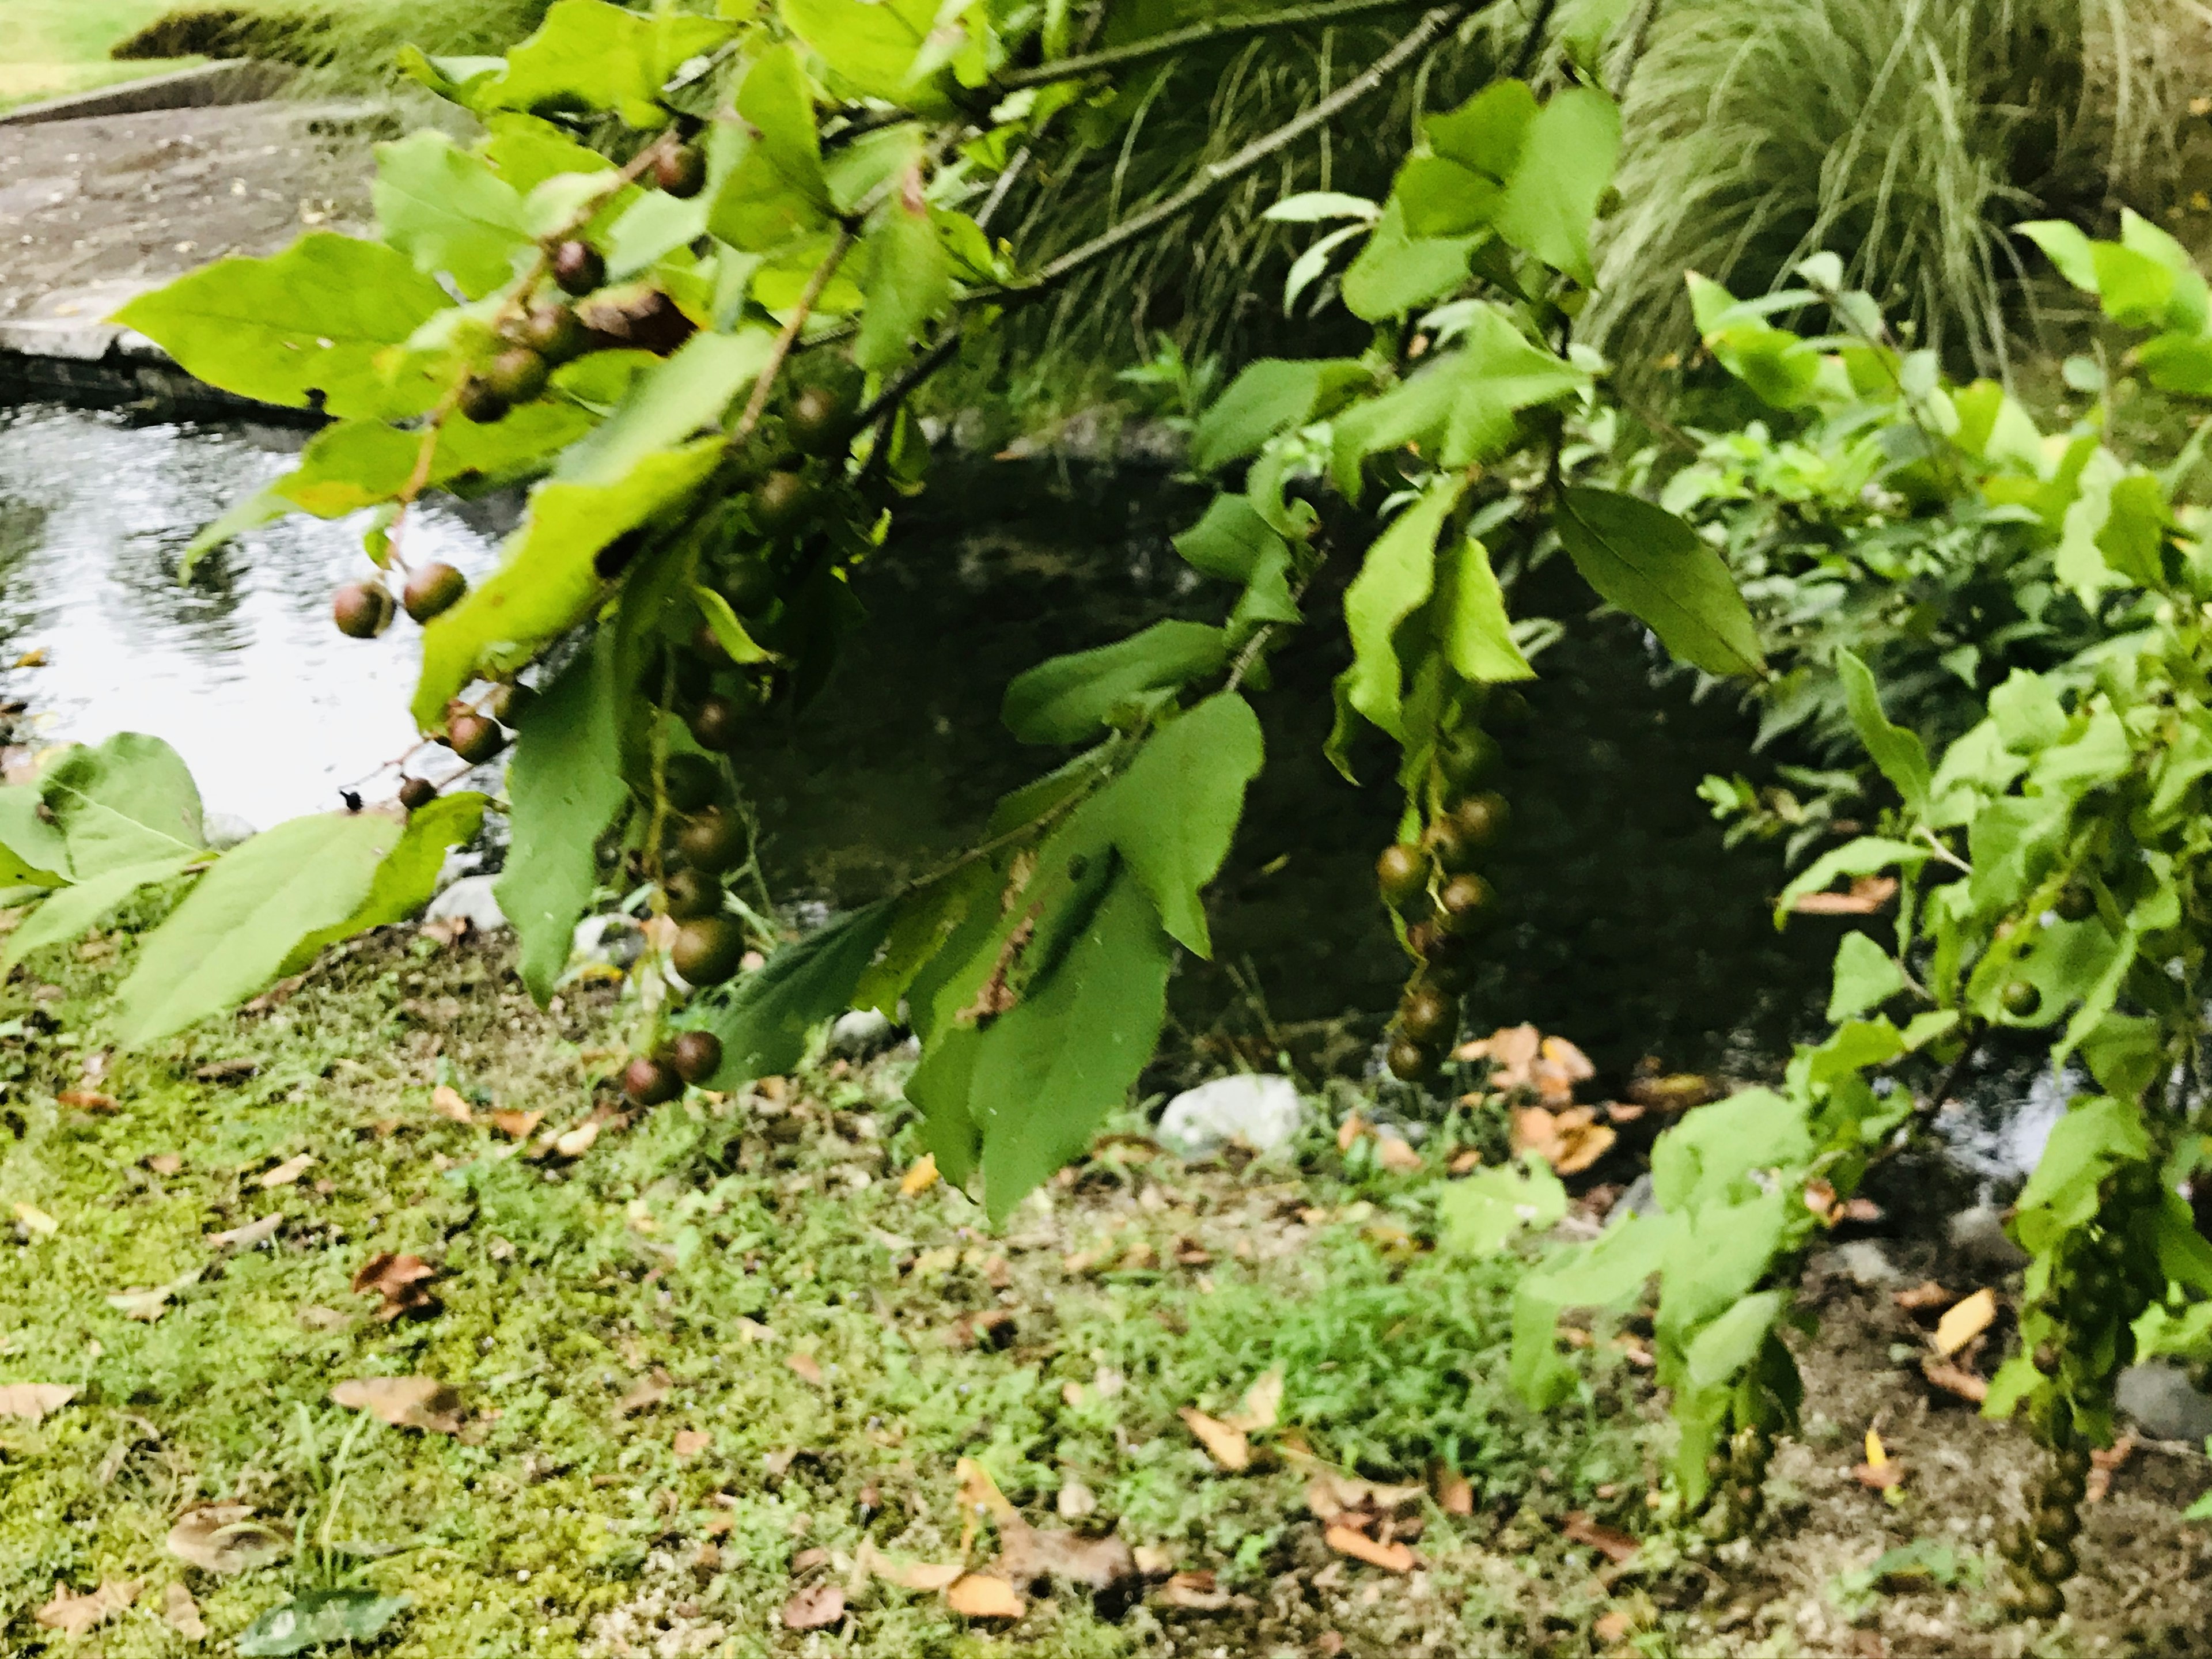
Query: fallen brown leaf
{"x": 1028, "y": 1553}
{"x": 449, "y": 1102}
{"x": 1074, "y": 1500}
{"x": 225, "y": 1537}
{"x": 148, "y": 1305}
{"x": 978, "y": 1595}
{"x": 1611, "y": 1542}
{"x": 1226, "y": 1446}
{"x": 288, "y": 1171}
{"x": 815, "y": 1607}
{"x": 1615, "y": 1627}
{"x": 165, "y": 1164}
{"x": 1675, "y": 1092}
{"x": 1866, "y": 895}
{"x": 578, "y": 1140}
{"x": 1455, "y": 1494}
{"x": 645, "y": 1394}
{"x": 1570, "y": 1141}
{"x": 2103, "y": 1464}
{"x": 907, "y": 1575}
{"x": 1349, "y": 1132}
{"x": 1262, "y": 1403}
{"x": 404, "y": 1402}
{"x": 1965, "y": 1322}
{"x": 253, "y": 1233}
{"x": 1347, "y": 1540}
{"x": 73, "y": 1615}
{"x": 1952, "y": 1379}
{"x": 1196, "y": 1592}
{"x": 805, "y": 1367}
{"x": 1394, "y": 1152}
{"x": 89, "y": 1100}
{"x": 689, "y": 1442}
{"x": 979, "y": 1494}
{"x": 1879, "y": 1477}
{"x": 181, "y": 1614}
{"x": 1926, "y": 1294}
{"x": 1330, "y": 1493}
{"x": 402, "y": 1282}
{"x": 227, "y": 1071}
{"x": 516, "y": 1125}
{"x": 33, "y": 1401}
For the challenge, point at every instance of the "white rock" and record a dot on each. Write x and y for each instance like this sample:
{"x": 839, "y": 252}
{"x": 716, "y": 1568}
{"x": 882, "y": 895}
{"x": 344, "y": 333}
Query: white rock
{"x": 1864, "y": 1263}
{"x": 1979, "y": 1237}
{"x": 860, "y": 1033}
{"x": 2158, "y": 1396}
{"x": 469, "y": 897}
{"x": 1263, "y": 1112}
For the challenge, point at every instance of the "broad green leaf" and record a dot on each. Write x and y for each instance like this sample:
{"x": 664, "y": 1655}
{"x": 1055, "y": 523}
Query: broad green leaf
{"x": 1650, "y": 564}
{"x": 547, "y": 582}
{"x": 564, "y": 786}
{"x": 1723, "y": 1350}
{"x": 2066, "y": 248}
{"x": 408, "y": 877}
{"x": 314, "y": 318}
{"x": 1709, "y": 1157}
{"x": 1477, "y": 633}
{"x": 2027, "y": 712}
{"x": 1867, "y": 855}
{"x": 600, "y": 55}
{"x": 1271, "y": 396}
{"x": 32, "y": 852}
{"x": 238, "y": 927}
{"x": 1174, "y": 812}
{"x": 857, "y": 169}
{"x": 1718, "y": 1254}
{"x": 2125, "y": 1053}
{"x": 1564, "y": 165}
{"x": 127, "y": 801}
{"x": 74, "y": 909}
{"x": 921, "y": 925}
{"x": 1865, "y": 977}
{"x": 2011, "y": 844}
{"x": 1473, "y": 152}
{"x": 526, "y": 151}
{"x": 1397, "y": 272}
{"x": 1394, "y": 580}
{"x": 1232, "y": 541}
{"x": 448, "y": 211}
{"x": 908, "y": 280}
{"x": 671, "y": 401}
{"x": 1899, "y": 752}
{"x": 352, "y": 464}
{"x": 1604, "y": 1273}
{"x": 1476, "y": 1216}
{"x": 777, "y": 188}
{"x": 1781, "y": 369}
{"x": 874, "y": 46}
{"x": 1067, "y": 699}
{"x": 320, "y": 1619}
{"x": 1850, "y": 1049}
{"x": 650, "y": 228}
{"x": 764, "y": 1018}
{"x": 2085, "y": 1145}
{"x": 1046, "y": 1072}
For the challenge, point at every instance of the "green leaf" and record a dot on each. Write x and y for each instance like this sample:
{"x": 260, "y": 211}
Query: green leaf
{"x": 1709, "y": 1157}
{"x": 729, "y": 633}
{"x": 526, "y": 151}
{"x": 1865, "y": 977}
{"x": 1604, "y": 1273}
{"x": 1476, "y": 1216}
{"x": 1477, "y": 633}
{"x": 352, "y": 464}
{"x": 1174, "y": 812}
{"x": 672, "y": 400}
{"x": 1650, "y": 564}
{"x": 1067, "y": 699}
{"x": 564, "y": 786}
{"x": 448, "y": 211}
{"x": 1397, "y": 272}
{"x": 2066, "y": 248}
{"x": 263, "y": 507}
{"x": 1272, "y": 395}
{"x": 2085, "y": 1145}
{"x": 315, "y": 318}
{"x": 2026, "y": 710}
{"x": 765, "y": 1018}
{"x": 126, "y": 802}
{"x": 1900, "y": 753}
{"x": 1866, "y": 856}
{"x": 873, "y": 45}
{"x": 1394, "y": 580}
{"x": 1474, "y": 151}
{"x": 1725, "y": 1348}
{"x": 74, "y": 909}
{"x": 408, "y": 877}
{"x": 1719, "y": 1253}
{"x": 547, "y": 583}
{"x": 908, "y": 280}
{"x": 1046, "y": 1072}
{"x": 604, "y": 56}
{"x": 1232, "y": 541}
{"x": 1564, "y": 166}
{"x": 320, "y": 1618}
{"x": 776, "y": 189}
{"x": 235, "y": 930}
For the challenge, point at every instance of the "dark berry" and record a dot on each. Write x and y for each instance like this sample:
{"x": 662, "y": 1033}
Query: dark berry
{"x": 474, "y": 738}
{"x": 750, "y": 586}
{"x": 482, "y": 402}
{"x": 553, "y": 332}
{"x": 2057, "y": 1524}
{"x": 2039, "y": 1600}
{"x": 432, "y": 590}
{"x": 508, "y": 702}
{"x": 712, "y": 840}
{"x": 691, "y": 781}
{"x": 2019, "y": 998}
{"x": 415, "y": 794}
{"x": 519, "y": 375}
{"x": 361, "y": 609}
{"x": 821, "y": 422}
{"x": 709, "y": 950}
{"x": 1466, "y": 904}
{"x": 578, "y": 268}
{"x": 680, "y": 170}
{"x": 1402, "y": 874}
{"x": 691, "y": 893}
{"x": 1450, "y": 845}
{"x": 696, "y": 1055}
{"x": 1409, "y": 1061}
{"x": 781, "y": 501}
{"x": 2075, "y": 902}
{"x": 649, "y": 1083}
{"x": 1427, "y": 1015}
{"x": 717, "y": 723}
{"x": 1481, "y": 819}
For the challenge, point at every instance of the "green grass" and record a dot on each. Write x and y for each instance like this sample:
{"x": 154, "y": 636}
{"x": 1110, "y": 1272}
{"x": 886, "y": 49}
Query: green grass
{"x": 664, "y": 1249}
{"x": 52, "y": 47}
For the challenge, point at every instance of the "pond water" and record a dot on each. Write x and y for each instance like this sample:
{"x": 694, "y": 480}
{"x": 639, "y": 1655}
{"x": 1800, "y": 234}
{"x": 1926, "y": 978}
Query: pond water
{"x": 1631, "y": 930}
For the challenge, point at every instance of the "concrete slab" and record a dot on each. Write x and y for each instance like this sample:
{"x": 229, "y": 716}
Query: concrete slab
{"x": 229, "y": 81}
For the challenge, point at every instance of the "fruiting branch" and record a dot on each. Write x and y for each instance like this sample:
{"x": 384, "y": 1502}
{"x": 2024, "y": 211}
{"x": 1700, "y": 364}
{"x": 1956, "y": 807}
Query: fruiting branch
{"x": 756, "y": 405}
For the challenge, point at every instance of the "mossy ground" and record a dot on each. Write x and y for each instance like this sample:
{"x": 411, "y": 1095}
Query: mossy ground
{"x": 643, "y": 1469}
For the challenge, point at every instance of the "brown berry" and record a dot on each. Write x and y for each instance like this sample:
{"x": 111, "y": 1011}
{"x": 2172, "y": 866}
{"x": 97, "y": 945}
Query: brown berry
{"x": 709, "y": 950}
{"x": 415, "y": 794}
{"x": 713, "y": 839}
{"x": 578, "y": 268}
{"x": 691, "y": 894}
{"x": 648, "y": 1083}
{"x": 553, "y": 332}
{"x": 433, "y": 590}
{"x": 717, "y": 723}
{"x": 1427, "y": 1015}
{"x": 2039, "y": 1599}
{"x": 1409, "y": 1061}
{"x": 1481, "y": 819}
{"x": 1465, "y": 904}
{"x": 361, "y": 609}
{"x": 519, "y": 375}
{"x": 680, "y": 170}
{"x": 821, "y": 422}
{"x": 696, "y": 1055}
{"x": 481, "y": 402}
{"x": 1402, "y": 874}
{"x": 1449, "y": 845}
{"x": 690, "y": 782}
{"x": 780, "y": 502}
{"x": 474, "y": 738}
{"x": 2057, "y": 1524}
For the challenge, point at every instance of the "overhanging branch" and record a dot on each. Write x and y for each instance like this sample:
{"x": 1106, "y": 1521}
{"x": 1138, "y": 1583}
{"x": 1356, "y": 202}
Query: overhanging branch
{"x": 1321, "y": 12}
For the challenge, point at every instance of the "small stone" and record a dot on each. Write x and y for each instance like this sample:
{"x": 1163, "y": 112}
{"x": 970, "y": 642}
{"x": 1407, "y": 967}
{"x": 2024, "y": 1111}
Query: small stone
{"x": 862, "y": 1033}
{"x": 471, "y": 898}
{"x": 1264, "y": 1112}
{"x": 2163, "y": 1404}
{"x": 1864, "y": 1263}
{"x": 1979, "y": 1236}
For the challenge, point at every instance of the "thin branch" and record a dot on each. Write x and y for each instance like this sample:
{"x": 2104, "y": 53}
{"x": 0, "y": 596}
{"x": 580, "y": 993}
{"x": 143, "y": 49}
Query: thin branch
{"x": 758, "y": 403}
{"x": 1532, "y": 42}
{"x": 1198, "y": 34}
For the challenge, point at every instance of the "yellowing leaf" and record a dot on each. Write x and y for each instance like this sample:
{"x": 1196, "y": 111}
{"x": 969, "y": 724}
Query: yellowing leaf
{"x": 1965, "y": 1322}
{"x": 1226, "y": 1446}
{"x": 980, "y": 1493}
{"x": 978, "y": 1595}
{"x": 405, "y": 1402}
{"x": 1262, "y": 1403}
{"x": 288, "y": 1171}
{"x": 921, "y": 1176}
{"x": 1876, "y": 1455}
{"x": 36, "y": 1220}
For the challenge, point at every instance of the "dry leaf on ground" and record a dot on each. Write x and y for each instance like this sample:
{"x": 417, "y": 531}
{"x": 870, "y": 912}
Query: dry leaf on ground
{"x": 1394, "y": 1152}
{"x": 1075, "y": 1501}
{"x": 1966, "y": 1321}
{"x": 225, "y": 1538}
{"x": 1953, "y": 1379}
{"x": 1262, "y": 1403}
{"x": 1348, "y": 1541}
{"x": 148, "y": 1305}
{"x": 1195, "y": 1592}
{"x": 689, "y": 1442}
{"x": 1570, "y": 1141}
{"x": 805, "y": 1367}
{"x": 288, "y": 1171}
{"x": 1331, "y": 1493}
{"x": 979, "y": 1493}
{"x": 33, "y": 1401}
{"x": 404, "y": 1402}
{"x": 1611, "y": 1542}
{"x": 2102, "y": 1466}
{"x": 1615, "y": 1627}
{"x": 253, "y": 1233}
{"x": 646, "y": 1392}
{"x": 516, "y": 1125}
{"x": 578, "y": 1140}
{"x": 402, "y": 1282}
{"x": 1455, "y": 1493}
{"x": 921, "y": 1176}
{"x": 815, "y": 1607}
{"x": 907, "y": 1575}
{"x": 978, "y": 1595}
{"x": 165, "y": 1164}
{"x": 88, "y": 1100}
{"x": 181, "y": 1614}
{"x": 1925, "y": 1295}
{"x": 1027, "y": 1554}
{"x": 1226, "y": 1446}
{"x": 449, "y": 1102}
{"x": 33, "y": 1219}
{"x": 73, "y": 1614}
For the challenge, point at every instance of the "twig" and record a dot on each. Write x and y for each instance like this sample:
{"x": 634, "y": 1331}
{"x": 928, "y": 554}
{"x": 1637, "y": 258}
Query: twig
{"x": 1532, "y": 42}
{"x": 756, "y": 404}
{"x": 1198, "y": 34}
{"x": 1953, "y": 1075}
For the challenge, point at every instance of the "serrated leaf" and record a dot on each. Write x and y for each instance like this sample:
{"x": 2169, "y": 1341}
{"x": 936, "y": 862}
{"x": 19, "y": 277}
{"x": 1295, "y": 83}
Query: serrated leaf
{"x": 873, "y": 45}
{"x": 1394, "y": 580}
{"x": 1723, "y": 1349}
{"x": 448, "y": 211}
{"x": 564, "y": 786}
{"x": 352, "y": 464}
{"x": 777, "y": 188}
{"x": 316, "y": 1618}
{"x": 765, "y": 1018}
{"x": 237, "y": 928}
{"x": 1271, "y": 396}
{"x": 1563, "y": 168}
{"x": 1650, "y": 564}
{"x": 126, "y": 802}
{"x": 32, "y": 850}
{"x": 1474, "y": 152}
{"x": 907, "y": 279}
{"x": 1067, "y": 699}
{"x": 671, "y": 401}
{"x": 1866, "y": 976}
{"x": 315, "y": 318}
